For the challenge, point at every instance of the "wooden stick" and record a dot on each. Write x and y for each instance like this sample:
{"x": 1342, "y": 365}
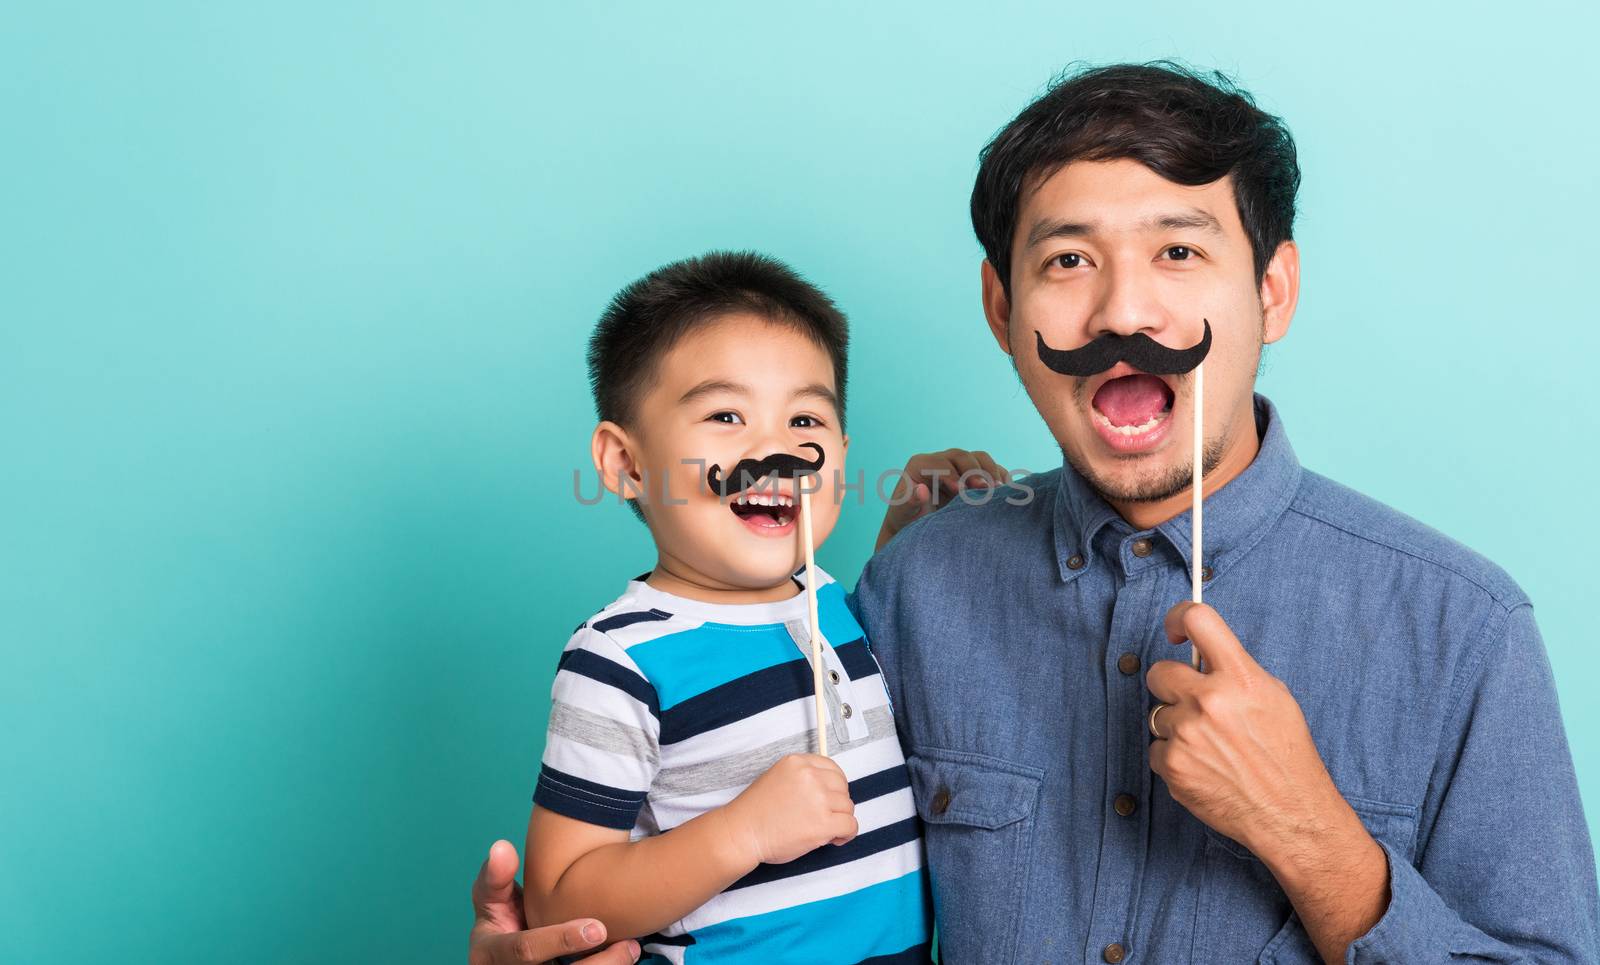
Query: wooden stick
{"x": 1199, "y": 487}
{"x": 811, "y": 604}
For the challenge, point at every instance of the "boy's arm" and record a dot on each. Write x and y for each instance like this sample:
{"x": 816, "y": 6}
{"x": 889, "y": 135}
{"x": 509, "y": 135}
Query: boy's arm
{"x": 640, "y": 887}
{"x": 634, "y": 888}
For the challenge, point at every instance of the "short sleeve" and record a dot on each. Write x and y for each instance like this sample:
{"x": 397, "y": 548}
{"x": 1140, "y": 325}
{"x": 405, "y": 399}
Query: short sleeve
{"x": 602, "y": 749}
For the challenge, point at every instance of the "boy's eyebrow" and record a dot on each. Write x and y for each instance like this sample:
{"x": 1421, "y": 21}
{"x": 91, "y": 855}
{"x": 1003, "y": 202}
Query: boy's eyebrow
{"x": 711, "y": 387}
{"x": 1048, "y": 228}
{"x": 817, "y": 390}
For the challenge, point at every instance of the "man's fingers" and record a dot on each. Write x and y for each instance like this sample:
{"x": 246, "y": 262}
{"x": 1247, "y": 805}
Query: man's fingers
{"x": 551, "y": 942}
{"x": 497, "y": 877}
{"x": 1159, "y": 750}
{"x": 1172, "y": 682}
{"x": 1204, "y": 627}
{"x": 1172, "y": 721}
{"x": 996, "y": 472}
{"x": 962, "y": 463}
{"x": 622, "y": 953}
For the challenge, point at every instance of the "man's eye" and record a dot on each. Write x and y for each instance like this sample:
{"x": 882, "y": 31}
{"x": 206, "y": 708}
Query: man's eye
{"x": 1069, "y": 260}
{"x": 1179, "y": 253}
{"x": 727, "y": 418}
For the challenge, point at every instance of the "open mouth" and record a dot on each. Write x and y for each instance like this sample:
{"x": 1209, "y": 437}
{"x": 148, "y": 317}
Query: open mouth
{"x": 767, "y": 513}
{"x": 1133, "y": 410}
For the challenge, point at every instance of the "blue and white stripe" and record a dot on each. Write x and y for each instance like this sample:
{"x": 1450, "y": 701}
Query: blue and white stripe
{"x": 664, "y": 708}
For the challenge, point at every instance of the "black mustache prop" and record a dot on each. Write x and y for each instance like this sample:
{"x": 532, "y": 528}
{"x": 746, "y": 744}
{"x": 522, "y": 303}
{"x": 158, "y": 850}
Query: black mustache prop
{"x": 1138, "y": 350}
{"x": 750, "y": 471}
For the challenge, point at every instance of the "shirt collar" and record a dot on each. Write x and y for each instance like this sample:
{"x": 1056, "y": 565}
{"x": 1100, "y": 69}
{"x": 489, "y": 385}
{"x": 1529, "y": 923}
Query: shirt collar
{"x": 1236, "y": 515}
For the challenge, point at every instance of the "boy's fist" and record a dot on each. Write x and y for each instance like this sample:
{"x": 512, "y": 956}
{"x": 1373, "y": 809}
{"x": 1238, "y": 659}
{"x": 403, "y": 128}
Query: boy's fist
{"x": 800, "y": 803}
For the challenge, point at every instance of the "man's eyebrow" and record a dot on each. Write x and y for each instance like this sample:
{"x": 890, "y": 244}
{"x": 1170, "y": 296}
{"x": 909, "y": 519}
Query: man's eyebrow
{"x": 1190, "y": 218}
{"x": 817, "y": 390}
{"x": 711, "y": 387}
{"x": 1048, "y": 228}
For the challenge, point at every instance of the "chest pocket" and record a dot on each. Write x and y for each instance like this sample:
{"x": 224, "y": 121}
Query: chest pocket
{"x": 1244, "y": 916}
{"x": 979, "y": 814}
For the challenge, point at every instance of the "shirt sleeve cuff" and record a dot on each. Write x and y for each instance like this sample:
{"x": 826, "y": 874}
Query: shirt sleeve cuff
{"x": 586, "y": 801}
{"x": 1418, "y": 926}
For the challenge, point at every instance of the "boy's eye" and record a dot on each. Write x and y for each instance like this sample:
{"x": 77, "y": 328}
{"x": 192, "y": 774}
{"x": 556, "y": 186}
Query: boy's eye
{"x": 806, "y": 422}
{"x": 727, "y": 418}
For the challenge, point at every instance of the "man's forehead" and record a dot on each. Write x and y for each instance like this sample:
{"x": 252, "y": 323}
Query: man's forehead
{"x": 1121, "y": 196}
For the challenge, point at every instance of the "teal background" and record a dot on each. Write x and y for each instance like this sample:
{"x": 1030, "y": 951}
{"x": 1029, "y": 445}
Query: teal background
{"x": 292, "y": 305}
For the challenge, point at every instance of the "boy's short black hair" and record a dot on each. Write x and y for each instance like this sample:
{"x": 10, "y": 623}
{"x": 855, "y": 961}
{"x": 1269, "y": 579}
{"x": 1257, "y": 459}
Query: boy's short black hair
{"x": 648, "y": 317}
{"x": 1187, "y": 127}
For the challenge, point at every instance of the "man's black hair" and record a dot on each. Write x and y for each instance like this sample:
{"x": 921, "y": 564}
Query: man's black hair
{"x": 647, "y": 318}
{"x": 1188, "y": 127}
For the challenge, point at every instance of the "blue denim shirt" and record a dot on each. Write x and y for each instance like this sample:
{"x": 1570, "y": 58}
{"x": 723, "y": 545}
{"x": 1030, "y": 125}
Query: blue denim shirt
{"x": 1005, "y": 633}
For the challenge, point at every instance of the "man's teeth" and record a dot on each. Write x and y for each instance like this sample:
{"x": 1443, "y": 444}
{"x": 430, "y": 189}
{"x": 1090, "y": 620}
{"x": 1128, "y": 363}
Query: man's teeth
{"x": 1149, "y": 424}
{"x": 764, "y": 499}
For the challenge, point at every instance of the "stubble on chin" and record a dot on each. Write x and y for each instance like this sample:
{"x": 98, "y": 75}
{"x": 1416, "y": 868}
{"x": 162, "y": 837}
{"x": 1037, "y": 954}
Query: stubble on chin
{"x": 1152, "y": 487}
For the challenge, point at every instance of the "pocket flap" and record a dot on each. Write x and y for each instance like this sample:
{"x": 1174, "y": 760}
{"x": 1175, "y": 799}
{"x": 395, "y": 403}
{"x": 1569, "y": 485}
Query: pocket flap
{"x": 1393, "y": 824}
{"x": 955, "y": 787}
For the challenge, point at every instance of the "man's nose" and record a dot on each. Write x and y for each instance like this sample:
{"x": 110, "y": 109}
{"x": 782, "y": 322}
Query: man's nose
{"x": 1127, "y": 304}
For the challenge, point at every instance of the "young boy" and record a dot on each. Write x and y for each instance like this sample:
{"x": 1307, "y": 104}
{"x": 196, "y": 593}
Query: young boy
{"x": 681, "y": 800}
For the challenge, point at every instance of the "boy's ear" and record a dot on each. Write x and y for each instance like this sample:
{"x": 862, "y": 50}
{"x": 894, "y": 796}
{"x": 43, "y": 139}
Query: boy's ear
{"x": 612, "y": 450}
{"x": 996, "y": 306}
{"x": 846, "y": 444}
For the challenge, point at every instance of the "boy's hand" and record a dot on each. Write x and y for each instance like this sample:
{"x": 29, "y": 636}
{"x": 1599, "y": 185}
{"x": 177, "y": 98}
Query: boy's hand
{"x": 800, "y": 803}
{"x": 931, "y": 480}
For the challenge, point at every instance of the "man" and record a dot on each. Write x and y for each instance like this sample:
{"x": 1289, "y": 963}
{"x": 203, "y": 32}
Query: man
{"x": 1372, "y": 767}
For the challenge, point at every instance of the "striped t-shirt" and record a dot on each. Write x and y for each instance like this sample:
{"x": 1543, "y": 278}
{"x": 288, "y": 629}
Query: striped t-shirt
{"x": 664, "y": 708}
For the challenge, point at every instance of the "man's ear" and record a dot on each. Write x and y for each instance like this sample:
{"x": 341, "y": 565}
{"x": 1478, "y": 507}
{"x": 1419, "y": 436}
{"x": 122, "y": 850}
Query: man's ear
{"x": 997, "y": 307}
{"x": 1280, "y": 292}
{"x": 612, "y": 450}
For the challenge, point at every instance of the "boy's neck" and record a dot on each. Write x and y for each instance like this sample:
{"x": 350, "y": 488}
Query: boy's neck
{"x": 671, "y": 576}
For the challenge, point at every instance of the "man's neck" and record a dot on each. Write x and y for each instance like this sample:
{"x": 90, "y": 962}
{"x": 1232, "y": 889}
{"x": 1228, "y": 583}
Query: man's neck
{"x": 1236, "y": 459}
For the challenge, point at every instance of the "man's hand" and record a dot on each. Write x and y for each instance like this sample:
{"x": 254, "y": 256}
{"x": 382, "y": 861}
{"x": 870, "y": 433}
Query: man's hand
{"x": 931, "y": 480}
{"x": 1237, "y": 752}
{"x": 498, "y": 934}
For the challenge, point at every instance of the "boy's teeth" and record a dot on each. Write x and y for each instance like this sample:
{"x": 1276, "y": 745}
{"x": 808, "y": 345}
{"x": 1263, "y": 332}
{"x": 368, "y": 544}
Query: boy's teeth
{"x": 764, "y": 499}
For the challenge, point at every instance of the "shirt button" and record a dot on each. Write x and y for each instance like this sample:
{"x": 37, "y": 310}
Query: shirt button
{"x": 845, "y": 710}
{"x": 1125, "y": 804}
{"x": 833, "y": 676}
{"x": 1128, "y": 663}
{"x": 1141, "y": 549}
{"x": 1075, "y": 562}
{"x": 1205, "y": 573}
{"x": 1114, "y": 953}
{"x": 940, "y": 802}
